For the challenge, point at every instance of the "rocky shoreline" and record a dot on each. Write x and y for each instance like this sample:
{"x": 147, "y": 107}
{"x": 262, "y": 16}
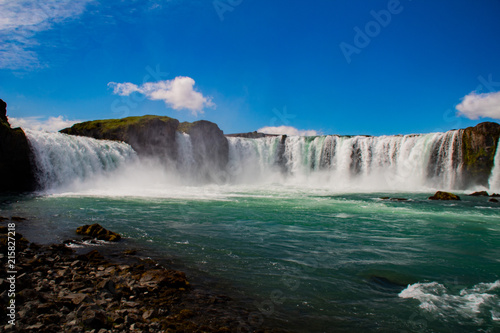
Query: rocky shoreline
{"x": 60, "y": 290}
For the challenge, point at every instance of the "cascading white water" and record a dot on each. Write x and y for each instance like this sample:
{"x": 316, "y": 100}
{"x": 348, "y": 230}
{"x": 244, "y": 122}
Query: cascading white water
{"x": 64, "y": 159}
{"x": 494, "y": 180}
{"x": 185, "y": 157}
{"x": 398, "y": 163}
{"x": 252, "y": 159}
{"x": 409, "y": 162}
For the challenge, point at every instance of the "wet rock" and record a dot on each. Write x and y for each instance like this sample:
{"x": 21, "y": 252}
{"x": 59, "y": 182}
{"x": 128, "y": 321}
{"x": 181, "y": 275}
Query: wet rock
{"x": 394, "y": 199}
{"x": 78, "y": 298}
{"x": 479, "y": 194}
{"x": 92, "y": 256}
{"x": 97, "y": 231}
{"x": 148, "y": 314}
{"x": 63, "y": 292}
{"x": 130, "y": 252}
{"x": 95, "y": 318}
{"x": 493, "y": 200}
{"x": 440, "y": 195}
{"x": 160, "y": 277}
{"x": 495, "y": 195}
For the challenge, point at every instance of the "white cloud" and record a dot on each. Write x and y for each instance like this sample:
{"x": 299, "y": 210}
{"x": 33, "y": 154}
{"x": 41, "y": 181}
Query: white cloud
{"x": 52, "y": 124}
{"x": 21, "y": 20}
{"x": 123, "y": 89}
{"x": 288, "y": 130}
{"x": 485, "y": 105}
{"x": 178, "y": 93}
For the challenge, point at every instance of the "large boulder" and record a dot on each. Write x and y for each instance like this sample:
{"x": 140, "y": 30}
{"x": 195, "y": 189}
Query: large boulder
{"x": 16, "y": 167}
{"x": 440, "y": 195}
{"x": 479, "y": 194}
{"x": 479, "y": 145}
{"x": 97, "y": 231}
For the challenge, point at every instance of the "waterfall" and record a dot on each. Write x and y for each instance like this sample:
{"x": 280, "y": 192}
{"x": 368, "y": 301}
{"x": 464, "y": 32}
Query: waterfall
{"x": 63, "y": 159}
{"x": 403, "y": 162}
{"x": 253, "y": 159}
{"x": 185, "y": 157}
{"x": 494, "y": 180}
{"x": 396, "y": 163}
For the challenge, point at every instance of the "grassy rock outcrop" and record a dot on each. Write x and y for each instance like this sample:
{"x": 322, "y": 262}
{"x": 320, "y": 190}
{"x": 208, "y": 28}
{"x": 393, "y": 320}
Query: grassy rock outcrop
{"x": 156, "y": 136}
{"x": 439, "y": 195}
{"x": 148, "y": 135}
{"x": 16, "y": 168}
{"x": 479, "y": 145}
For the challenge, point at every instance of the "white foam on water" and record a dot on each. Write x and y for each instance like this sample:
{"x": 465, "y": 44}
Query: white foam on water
{"x": 469, "y": 303}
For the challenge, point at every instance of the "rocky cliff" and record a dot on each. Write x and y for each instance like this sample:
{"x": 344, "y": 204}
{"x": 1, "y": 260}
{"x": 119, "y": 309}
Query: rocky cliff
{"x": 479, "y": 145}
{"x": 156, "y": 136}
{"x": 210, "y": 149}
{"x": 148, "y": 135}
{"x": 16, "y": 169}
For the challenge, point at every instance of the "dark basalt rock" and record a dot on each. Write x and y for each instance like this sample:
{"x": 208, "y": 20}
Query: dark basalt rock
{"x": 156, "y": 136}
{"x": 97, "y": 231}
{"x": 210, "y": 149}
{"x": 148, "y": 135}
{"x": 479, "y": 145}
{"x": 250, "y": 135}
{"x": 479, "y": 194}
{"x": 495, "y": 195}
{"x": 3, "y": 111}
{"x": 394, "y": 199}
{"x": 493, "y": 200}
{"x": 444, "y": 196}
{"x": 16, "y": 167}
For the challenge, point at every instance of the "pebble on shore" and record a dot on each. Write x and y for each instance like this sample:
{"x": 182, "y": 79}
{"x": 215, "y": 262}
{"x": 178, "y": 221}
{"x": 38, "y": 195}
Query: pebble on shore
{"x": 60, "y": 291}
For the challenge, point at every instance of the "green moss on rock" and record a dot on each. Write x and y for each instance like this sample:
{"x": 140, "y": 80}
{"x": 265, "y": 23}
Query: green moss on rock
{"x": 148, "y": 135}
{"x": 479, "y": 145}
{"x": 440, "y": 195}
{"x": 97, "y": 231}
{"x": 156, "y": 136}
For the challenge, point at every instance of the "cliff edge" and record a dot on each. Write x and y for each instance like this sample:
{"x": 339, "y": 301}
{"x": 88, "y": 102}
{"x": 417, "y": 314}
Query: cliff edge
{"x": 479, "y": 146}
{"x": 16, "y": 168}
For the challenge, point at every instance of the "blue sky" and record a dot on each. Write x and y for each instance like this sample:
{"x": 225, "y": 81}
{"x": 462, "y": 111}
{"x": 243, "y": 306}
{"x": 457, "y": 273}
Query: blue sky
{"x": 334, "y": 67}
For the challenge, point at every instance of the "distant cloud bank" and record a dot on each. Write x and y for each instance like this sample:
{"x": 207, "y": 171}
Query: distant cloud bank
{"x": 21, "y": 20}
{"x": 52, "y": 124}
{"x": 287, "y": 130}
{"x": 177, "y": 93}
{"x": 476, "y": 106}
